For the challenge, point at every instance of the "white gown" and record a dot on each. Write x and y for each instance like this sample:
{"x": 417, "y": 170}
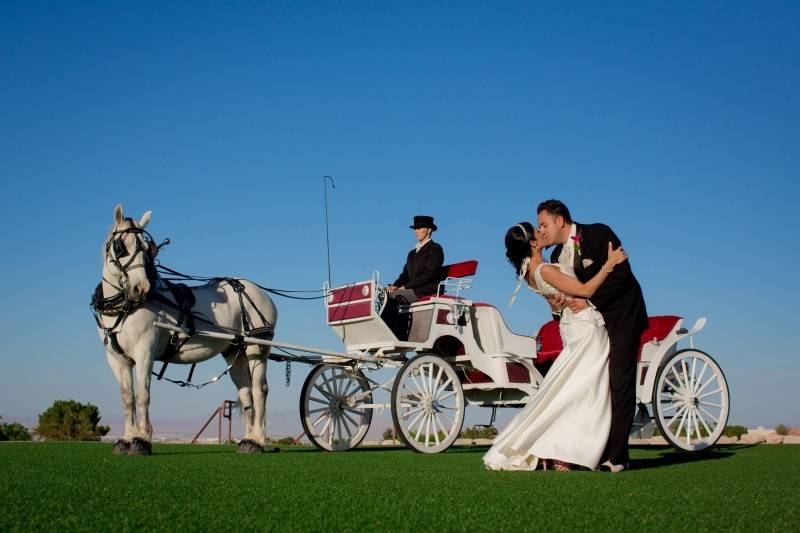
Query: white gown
{"x": 570, "y": 416}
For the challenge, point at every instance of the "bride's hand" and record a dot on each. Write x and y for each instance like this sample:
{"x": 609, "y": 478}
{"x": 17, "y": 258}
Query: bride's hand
{"x": 617, "y": 256}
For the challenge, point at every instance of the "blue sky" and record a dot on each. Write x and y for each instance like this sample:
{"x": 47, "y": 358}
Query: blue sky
{"x": 676, "y": 124}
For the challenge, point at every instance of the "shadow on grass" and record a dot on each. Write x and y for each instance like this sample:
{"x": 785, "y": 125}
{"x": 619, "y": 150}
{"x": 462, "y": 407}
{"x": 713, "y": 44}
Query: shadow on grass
{"x": 453, "y": 449}
{"x": 476, "y": 448}
{"x": 156, "y": 451}
{"x": 232, "y": 450}
{"x": 395, "y": 448}
{"x": 671, "y": 457}
{"x": 358, "y": 449}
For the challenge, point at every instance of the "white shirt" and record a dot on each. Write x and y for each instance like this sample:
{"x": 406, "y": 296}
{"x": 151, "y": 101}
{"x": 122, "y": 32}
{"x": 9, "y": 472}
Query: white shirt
{"x": 423, "y": 243}
{"x": 567, "y": 257}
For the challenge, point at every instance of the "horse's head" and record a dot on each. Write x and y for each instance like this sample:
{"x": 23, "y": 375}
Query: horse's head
{"x": 129, "y": 256}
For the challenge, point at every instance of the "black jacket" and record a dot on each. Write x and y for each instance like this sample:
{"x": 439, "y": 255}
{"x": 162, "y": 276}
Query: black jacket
{"x": 619, "y": 299}
{"x": 423, "y": 270}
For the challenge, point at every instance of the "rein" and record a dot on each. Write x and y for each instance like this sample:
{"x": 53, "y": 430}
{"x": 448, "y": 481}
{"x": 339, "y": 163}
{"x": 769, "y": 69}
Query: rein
{"x": 174, "y": 275}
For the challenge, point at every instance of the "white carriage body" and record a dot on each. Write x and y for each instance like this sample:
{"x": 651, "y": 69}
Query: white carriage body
{"x": 505, "y": 361}
{"x": 499, "y": 365}
{"x": 658, "y": 347}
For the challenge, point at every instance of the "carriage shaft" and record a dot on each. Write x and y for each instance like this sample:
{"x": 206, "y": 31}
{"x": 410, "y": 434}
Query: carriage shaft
{"x": 264, "y": 342}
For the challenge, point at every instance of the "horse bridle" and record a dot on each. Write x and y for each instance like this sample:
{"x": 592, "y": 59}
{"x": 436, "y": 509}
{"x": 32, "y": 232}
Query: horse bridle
{"x": 116, "y": 251}
{"x": 119, "y": 304}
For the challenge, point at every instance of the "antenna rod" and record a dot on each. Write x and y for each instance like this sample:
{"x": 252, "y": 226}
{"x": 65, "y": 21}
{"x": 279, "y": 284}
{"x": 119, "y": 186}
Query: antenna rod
{"x": 327, "y": 235}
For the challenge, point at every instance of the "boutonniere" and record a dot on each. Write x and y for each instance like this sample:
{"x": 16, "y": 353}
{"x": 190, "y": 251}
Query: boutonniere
{"x": 576, "y": 244}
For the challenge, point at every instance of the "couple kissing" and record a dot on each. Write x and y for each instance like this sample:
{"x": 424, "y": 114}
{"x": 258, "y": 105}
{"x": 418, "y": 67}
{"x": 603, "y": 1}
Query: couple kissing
{"x": 583, "y": 412}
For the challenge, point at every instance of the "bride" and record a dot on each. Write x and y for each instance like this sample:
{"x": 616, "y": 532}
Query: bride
{"x": 568, "y": 420}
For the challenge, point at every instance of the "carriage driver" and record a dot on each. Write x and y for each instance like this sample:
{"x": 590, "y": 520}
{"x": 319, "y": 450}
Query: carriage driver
{"x": 423, "y": 269}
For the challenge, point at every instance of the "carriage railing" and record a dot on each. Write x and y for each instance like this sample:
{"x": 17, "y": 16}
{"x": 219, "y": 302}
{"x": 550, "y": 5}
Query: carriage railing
{"x": 453, "y": 286}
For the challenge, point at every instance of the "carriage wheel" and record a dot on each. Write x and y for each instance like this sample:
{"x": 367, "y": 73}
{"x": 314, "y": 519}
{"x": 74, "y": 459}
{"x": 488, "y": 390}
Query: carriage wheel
{"x": 428, "y": 404}
{"x": 329, "y": 407}
{"x": 691, "y": 400}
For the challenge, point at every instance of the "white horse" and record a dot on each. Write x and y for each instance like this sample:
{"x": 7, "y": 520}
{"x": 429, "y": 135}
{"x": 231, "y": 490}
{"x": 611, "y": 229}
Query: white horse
{"x": 133, "y": 297}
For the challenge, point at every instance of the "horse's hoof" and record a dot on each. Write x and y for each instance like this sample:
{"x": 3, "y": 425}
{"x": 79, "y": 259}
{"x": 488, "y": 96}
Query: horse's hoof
{"x": 140, "y": 447}
{"x": 121, "y": 447}
{"x": 249, "y": 446}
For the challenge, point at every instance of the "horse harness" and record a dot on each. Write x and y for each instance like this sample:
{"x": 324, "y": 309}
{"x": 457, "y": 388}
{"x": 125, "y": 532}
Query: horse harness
{"x": 120, "y": 305}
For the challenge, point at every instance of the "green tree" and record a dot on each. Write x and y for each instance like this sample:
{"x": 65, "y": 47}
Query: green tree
{"x": 70, "y": 420}
{"x": 476, "y": 432}
{"x": 781, "y": 429}
{"x": 734, "y": 431}
{"x": 13, "y": 431}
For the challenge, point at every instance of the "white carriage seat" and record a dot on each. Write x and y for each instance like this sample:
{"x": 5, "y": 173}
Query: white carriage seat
{"x": 496, "y": 338}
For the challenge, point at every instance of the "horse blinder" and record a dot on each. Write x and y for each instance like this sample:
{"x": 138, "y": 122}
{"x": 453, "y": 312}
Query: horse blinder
{"x": 119, "y": 249}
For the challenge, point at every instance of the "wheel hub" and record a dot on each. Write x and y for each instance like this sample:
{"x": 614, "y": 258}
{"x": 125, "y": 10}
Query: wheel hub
{"x": 337, "y": 405}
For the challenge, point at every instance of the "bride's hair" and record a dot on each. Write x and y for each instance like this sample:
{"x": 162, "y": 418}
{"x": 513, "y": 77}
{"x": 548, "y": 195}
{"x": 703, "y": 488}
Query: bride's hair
{"x": 518, "y": 244}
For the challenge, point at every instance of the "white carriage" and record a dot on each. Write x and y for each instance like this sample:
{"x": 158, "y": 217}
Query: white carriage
{"x": 461, "y": 352}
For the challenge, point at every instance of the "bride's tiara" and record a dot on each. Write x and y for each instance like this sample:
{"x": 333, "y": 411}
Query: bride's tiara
{"x": 524, "y": 231}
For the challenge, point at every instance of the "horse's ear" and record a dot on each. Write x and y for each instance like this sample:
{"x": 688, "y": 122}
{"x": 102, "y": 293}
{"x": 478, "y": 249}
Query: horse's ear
{"x": 118, "y": 216}
{"x": 145, "y": 220}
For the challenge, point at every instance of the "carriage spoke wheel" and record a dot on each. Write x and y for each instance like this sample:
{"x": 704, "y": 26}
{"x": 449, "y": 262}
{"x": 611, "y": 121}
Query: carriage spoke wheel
{"x": 330, "y": 407}
{"x": 691, "y": 400}
{"x": 428, "y": 404}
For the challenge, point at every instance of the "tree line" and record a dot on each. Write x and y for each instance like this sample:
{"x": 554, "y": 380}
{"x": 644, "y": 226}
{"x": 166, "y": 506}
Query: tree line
{"x": 64, "y": 420}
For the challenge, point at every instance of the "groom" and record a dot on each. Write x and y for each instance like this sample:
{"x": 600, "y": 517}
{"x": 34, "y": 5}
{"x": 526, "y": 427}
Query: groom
{"x": 584, "y": 249}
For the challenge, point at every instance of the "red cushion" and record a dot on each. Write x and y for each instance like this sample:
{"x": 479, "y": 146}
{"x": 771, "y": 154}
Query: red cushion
{"x": 461, "y": 270}
{"x": 548, "y": 342}
{"x": 475, "y": 376}
{"x": 517, "y": 373}
{"x": 658, "y": 329}
{"x": 549, "y": 339}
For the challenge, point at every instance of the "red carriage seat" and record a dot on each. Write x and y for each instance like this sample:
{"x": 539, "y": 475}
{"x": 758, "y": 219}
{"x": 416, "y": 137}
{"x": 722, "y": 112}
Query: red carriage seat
{"x": 456, "y": 270}
{"x": 658, "y": 329}
{"x": 549, "y": 338}
{"x": 460, "y": 270}
{"x": 548, "y": 342}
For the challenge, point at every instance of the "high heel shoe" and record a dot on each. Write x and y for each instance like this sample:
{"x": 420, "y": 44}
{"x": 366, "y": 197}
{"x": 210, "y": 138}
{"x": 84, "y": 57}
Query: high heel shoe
{"x": 561, "y": 466}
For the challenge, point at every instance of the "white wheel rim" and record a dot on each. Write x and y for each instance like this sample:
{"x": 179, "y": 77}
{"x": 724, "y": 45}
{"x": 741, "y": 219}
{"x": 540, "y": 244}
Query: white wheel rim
{"x": 333, "y": 418}
{"x": 692, "y": 401}
{"x": 429, "y": 404}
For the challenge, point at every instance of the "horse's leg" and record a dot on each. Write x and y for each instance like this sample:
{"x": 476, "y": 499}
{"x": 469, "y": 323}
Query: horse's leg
{"x": 258, "y": 375}
{"x": 141, "y": 444}
{"x": 123, "y": 371}
{"x": 240, "y": 375}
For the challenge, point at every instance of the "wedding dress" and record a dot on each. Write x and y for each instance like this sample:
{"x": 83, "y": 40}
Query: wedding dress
{"x": 569, "y": 418}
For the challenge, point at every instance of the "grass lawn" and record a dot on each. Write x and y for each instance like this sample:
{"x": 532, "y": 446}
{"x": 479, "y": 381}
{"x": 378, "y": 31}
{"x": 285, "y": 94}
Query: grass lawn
{"x": 81, "y": 486}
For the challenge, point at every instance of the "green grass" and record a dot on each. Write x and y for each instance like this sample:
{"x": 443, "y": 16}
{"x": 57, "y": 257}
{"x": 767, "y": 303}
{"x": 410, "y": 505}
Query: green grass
{"x": 81, "y": 486}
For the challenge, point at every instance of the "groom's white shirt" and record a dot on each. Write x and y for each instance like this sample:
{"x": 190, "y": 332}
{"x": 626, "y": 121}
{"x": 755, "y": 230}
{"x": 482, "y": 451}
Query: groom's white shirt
{"x": 566, "y": 260}
{"x": 568, "y": 253}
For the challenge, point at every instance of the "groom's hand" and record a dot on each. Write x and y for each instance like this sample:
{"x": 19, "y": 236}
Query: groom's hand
{"x": 577, "y": 305}
{"x": 557, "y": 301}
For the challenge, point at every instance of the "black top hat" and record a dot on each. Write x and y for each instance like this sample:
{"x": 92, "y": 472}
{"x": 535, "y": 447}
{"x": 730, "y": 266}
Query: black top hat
{"x": 423, "y": 221}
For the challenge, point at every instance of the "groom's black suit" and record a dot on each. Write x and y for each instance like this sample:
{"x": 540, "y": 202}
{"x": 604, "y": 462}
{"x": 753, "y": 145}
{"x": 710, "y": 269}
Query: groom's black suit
{"x": 619, "y": 299}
